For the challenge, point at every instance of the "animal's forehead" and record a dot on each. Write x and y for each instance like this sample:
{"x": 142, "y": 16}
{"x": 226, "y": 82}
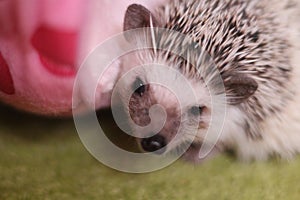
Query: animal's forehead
{"x": 198, "y": 95}
{"x": 168, "y": 83}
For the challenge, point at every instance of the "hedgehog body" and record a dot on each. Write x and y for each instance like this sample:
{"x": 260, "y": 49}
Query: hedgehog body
{"x": 255, "y": 46}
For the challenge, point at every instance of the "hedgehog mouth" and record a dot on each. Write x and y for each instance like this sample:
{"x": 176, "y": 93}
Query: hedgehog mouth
{"x": 181, "y": 148}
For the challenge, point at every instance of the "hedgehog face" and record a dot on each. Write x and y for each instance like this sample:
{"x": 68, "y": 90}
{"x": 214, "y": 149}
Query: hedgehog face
{"x": 153, "y": 105}
{"x": 166, "y": 120}
{"x": 172, "y": 110}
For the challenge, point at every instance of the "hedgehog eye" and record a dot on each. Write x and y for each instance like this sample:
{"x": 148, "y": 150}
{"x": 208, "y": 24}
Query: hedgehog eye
{"x": 139, "y": 87}
{"x": 196, "y": 110}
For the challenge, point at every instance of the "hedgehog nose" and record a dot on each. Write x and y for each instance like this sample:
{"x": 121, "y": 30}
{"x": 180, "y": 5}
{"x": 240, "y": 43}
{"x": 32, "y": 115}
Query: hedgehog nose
{"x": 154, "y": 144}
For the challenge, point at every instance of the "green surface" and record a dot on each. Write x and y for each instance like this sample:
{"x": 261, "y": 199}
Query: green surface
{"x": 44, "y": 159}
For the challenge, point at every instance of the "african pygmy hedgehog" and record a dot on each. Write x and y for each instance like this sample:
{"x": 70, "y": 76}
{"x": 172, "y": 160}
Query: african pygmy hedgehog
{"x": 254, "y": 45}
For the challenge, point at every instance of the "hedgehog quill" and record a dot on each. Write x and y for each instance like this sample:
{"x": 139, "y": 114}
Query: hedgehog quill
{"x": 255, "y": 45}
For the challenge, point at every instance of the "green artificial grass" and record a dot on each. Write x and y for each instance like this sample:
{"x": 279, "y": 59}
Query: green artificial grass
{"x": 44, "y": 159}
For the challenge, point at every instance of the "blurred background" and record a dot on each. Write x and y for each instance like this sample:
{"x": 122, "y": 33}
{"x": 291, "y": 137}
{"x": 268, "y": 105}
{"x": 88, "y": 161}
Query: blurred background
{"x": 43, "y": 158}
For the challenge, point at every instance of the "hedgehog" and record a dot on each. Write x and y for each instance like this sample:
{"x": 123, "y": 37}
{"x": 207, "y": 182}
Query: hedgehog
{"x": 254, "y": 46}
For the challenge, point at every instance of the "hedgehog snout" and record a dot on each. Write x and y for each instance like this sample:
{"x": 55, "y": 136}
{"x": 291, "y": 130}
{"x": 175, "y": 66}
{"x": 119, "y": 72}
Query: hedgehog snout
{"x": 155, "y": 144}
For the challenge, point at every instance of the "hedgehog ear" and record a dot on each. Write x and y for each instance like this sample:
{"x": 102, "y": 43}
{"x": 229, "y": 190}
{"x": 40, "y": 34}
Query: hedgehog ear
{"x": 239, "y": 88}
{"x": 137, "y": 16}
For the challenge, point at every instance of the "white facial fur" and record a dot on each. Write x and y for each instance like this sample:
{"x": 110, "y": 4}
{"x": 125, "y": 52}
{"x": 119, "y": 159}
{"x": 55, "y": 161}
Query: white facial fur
{"x": 173, "y": 92}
